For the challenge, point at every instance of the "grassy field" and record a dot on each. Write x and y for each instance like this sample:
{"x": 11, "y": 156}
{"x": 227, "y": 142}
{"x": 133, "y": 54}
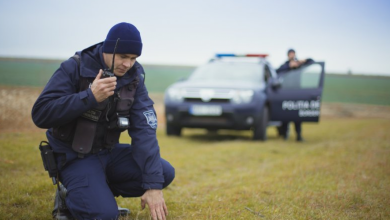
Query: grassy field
{"x": 339, "y": 173}
{"x": 372, "y": 90}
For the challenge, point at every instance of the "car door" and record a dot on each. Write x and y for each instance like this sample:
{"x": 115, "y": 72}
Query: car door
{"x": 298, "y": 96}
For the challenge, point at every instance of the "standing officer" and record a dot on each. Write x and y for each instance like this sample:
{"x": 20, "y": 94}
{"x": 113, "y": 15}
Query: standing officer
{"x": 85, "y": 112}
{"x": 292, "y": 63}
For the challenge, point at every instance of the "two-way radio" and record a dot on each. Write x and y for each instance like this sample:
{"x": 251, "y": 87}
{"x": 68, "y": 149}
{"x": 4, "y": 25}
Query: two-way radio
{"x": 110, "y": 72}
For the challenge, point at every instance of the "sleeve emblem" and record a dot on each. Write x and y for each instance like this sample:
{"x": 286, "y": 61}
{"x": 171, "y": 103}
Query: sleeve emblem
{"x": 151, "y": 118}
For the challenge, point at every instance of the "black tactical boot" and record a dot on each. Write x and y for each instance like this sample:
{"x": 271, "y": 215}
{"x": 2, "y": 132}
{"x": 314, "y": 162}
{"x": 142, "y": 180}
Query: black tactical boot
{"x": 60, "y": 211}
{"x": 123, "y": 211}
{"x": 300, "y": 138}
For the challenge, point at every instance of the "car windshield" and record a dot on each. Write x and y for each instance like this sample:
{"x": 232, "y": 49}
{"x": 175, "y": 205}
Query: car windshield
{"x": 229, "y": 71}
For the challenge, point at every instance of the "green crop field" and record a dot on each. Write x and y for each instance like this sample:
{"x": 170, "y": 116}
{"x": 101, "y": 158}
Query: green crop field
{"x": 34, "y": 72}
{"x": 373, "y": 90}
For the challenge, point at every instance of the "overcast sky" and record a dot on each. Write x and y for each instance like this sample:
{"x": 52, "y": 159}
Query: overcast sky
{"x": 351, "y": 34}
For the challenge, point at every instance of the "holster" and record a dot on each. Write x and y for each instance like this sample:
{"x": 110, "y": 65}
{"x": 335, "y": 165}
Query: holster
{"x": 49, "y": 161}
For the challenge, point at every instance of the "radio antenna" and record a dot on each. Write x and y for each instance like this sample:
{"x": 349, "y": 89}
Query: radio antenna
{"x": 113, "y": 57}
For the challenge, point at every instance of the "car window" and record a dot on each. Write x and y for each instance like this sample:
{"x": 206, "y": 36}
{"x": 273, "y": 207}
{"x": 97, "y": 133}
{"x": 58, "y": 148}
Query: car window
{"x": 303, "y": 78}
{"x": 228, "y": 71}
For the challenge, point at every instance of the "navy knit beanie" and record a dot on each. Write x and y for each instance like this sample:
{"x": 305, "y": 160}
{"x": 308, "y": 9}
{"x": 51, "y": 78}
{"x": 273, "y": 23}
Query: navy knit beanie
{"x": 290, "y": 50}
{"x": 129, "y": 43}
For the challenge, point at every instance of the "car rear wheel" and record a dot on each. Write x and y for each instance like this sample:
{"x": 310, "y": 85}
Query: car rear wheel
{"x": 212, "y": 131}
{"x": 260, "y": 128}
{"x": 173, "y": 130}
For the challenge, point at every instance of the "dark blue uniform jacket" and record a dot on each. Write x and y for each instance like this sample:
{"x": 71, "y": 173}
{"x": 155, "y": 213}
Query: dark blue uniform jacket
{"x": 60, "y": 102}
{"x": 284, "y": 67}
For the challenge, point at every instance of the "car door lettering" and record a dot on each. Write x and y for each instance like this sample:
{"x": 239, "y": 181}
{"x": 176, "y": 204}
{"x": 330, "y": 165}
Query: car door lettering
{"x": 305, "y": 108}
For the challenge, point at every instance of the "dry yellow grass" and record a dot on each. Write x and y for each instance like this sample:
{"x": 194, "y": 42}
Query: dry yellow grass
{"x": 15, "y": 107}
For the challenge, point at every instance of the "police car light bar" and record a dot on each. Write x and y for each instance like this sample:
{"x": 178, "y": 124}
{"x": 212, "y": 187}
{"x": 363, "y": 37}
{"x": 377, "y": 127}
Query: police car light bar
{"x": 219, "y": 55}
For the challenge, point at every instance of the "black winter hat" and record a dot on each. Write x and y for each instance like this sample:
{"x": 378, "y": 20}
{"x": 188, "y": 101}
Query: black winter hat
{"x": 130, "y": 39}
{"x": 290, "y": 50}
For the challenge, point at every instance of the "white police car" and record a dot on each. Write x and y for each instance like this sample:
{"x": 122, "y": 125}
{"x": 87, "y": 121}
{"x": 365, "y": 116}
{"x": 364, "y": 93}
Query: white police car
{"x": 243, "y": 92}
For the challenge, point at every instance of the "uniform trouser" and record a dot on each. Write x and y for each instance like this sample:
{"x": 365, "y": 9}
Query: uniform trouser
{"x": 298, "y": 128}
{"x": 93, "y": 181}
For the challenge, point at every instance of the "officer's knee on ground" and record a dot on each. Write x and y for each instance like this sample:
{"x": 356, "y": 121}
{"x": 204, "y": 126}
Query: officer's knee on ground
{"x": 104, "y": 213}
{"x": 108, "y": 214}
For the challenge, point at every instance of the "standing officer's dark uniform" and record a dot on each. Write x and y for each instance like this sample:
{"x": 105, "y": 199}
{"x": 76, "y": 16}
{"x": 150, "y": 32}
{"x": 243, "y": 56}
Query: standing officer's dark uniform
{"x": 92, "y": 179}
{"x": 284, "y": 129}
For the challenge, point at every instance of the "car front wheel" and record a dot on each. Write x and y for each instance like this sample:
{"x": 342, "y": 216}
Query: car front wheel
{"x": 260, "y": 127}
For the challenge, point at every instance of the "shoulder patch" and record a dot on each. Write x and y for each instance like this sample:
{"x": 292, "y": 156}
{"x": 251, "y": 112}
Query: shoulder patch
{"x": 151, "y": 118}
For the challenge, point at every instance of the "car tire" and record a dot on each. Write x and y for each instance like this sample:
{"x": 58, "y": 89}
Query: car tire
{"x": 173, "y": 130}
{"x": 260, "y": 128}
{"x": 212, "y": 131}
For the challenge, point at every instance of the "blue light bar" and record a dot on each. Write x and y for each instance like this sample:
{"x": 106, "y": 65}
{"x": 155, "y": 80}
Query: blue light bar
{"x": 219, "y": 55}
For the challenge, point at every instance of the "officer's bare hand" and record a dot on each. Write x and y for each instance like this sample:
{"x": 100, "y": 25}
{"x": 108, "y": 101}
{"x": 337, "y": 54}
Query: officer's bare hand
{"x": 103, "y": 88}
{"x": 302, "y": 61}
{"x": 294, "y": 64}
{"x": 155, "y": 200}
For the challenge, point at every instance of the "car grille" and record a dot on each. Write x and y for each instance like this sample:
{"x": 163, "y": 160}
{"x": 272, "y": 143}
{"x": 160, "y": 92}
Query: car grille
{"x": 199, "y": 100}
{"x": 207, "y": 120}
{"x": 207, "y": 95}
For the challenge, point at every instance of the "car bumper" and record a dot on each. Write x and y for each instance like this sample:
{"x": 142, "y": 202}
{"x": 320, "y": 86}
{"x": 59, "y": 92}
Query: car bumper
{"x": 238, "y": 117}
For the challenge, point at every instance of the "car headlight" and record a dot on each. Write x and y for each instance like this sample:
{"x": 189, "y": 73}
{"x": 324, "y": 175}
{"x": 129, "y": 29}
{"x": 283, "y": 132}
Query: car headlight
{"x": 175, "y": 94}
{"x": 241, "y": 96}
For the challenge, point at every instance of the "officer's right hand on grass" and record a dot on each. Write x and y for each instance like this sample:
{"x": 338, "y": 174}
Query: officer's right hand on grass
{"x": 103, "y": 88}
{"x": 155, "y": 200}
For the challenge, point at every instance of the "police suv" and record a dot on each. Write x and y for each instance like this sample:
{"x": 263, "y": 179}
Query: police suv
{"x": 243, "y": 92}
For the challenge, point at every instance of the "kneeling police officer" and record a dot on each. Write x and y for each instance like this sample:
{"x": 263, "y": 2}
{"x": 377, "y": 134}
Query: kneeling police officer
{"x": 93, "y": 97}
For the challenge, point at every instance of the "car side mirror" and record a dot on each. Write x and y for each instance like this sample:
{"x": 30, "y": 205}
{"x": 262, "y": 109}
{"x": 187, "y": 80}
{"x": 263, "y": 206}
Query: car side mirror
{"x": 276, "y": 83}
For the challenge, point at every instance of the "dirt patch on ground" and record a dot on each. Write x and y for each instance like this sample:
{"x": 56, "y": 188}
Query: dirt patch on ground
{"x": 16, "y": 104}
